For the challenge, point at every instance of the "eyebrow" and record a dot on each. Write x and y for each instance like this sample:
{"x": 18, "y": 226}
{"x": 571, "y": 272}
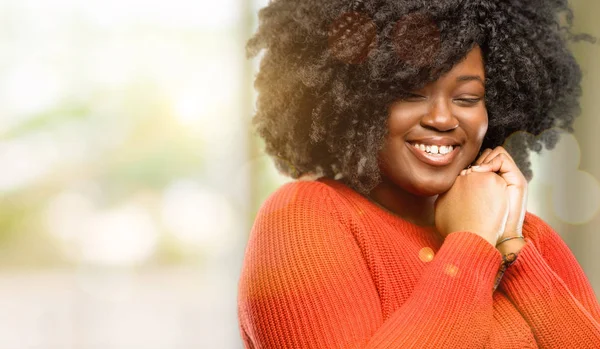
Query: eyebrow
{"x": 463, "y": 78}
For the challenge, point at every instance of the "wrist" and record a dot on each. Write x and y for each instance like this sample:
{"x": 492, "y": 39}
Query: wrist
{"x": 511, "y": 246}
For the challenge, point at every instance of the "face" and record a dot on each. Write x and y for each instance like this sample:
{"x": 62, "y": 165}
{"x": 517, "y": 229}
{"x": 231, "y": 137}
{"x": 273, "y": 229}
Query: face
{"x": 437, "y": 131}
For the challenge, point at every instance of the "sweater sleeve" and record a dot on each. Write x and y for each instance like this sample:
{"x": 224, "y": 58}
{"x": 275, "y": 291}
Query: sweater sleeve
{"x": 305, "y": 284}
{"x": 551, "y": 291}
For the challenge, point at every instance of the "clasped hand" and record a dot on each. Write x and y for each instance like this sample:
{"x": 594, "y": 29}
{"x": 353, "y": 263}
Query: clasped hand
{"x": 488, "y": 199}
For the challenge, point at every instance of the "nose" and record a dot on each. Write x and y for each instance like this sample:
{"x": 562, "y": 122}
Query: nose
{"x": 439, "y": 117}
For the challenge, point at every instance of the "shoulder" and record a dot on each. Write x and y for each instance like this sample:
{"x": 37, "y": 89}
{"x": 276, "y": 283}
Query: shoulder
{"x": 299, "y": 210}
{"x": 534, "y": 226}
{"x": 536, "y": 230}
{"x": 302, "y": 190}
{"x": 298, "y": 258}
{"x": 533, "y": 223}
{"x": 301, "y": 198}
{"x": 295, "y": 231}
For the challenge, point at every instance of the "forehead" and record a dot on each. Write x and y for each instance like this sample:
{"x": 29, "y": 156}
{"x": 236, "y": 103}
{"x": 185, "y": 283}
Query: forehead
{"x": 470, "y": 68}
{"x": 471, "y": 64}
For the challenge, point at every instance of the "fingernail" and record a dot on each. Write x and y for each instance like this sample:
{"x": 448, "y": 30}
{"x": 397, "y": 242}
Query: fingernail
{"x": 475, "y": 167}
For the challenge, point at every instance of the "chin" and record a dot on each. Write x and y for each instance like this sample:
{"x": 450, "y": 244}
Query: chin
{"x": 431, "y": 187}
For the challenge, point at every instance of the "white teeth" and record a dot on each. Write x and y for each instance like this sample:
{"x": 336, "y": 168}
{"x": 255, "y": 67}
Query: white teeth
{"x": 434, "y": 149}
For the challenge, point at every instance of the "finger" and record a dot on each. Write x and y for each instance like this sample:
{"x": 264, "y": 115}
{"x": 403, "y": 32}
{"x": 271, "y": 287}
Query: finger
{"x": 499, "y": 163}
{"x": 480, "y": 169}
{"x": 505, "y": 167}
{"x": 494, "y": 153}
{"x": 483, "y": 156}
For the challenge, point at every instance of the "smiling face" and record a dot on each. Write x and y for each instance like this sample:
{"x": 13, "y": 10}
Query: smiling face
{"x": 421, "y": 128}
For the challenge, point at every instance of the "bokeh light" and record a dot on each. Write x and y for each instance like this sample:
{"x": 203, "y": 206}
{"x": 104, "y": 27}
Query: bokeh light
{"x": 426, "y": 254}
{"x": 575, "y": 193}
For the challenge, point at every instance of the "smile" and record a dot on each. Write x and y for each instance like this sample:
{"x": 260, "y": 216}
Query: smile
{"x": 434, "y": 155}
{"x": 434, "y": 149}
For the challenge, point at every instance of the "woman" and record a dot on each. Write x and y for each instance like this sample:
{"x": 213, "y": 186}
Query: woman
{"x": 400, "y": 243}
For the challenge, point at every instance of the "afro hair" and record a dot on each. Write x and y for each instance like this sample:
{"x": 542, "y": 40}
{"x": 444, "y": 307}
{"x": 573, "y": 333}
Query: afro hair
{"x": 331, "y": 69}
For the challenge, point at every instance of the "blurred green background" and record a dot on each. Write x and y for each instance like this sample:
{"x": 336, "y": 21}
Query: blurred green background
{"x": 130, "y": 177}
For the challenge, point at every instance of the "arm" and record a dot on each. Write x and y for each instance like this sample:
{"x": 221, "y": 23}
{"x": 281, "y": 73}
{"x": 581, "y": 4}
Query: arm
{"x": 551, "y": 291}
{"x": 305, "y": 284}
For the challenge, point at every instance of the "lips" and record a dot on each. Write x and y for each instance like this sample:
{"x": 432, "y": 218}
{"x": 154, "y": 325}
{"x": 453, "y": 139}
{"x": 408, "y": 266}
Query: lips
{"x": 435, "y": 159}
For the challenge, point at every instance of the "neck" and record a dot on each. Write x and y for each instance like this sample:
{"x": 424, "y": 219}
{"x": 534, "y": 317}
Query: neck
{"x": 416, "y": 209}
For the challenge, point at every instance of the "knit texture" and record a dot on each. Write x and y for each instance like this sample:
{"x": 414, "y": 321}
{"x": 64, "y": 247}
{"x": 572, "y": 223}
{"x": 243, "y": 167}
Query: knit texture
{"x": 327, "y": 268}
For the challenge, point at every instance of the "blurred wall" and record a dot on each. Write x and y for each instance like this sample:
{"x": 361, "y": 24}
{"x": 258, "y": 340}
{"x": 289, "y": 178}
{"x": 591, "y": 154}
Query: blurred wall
{"x": 124, "y": 184}
{"x": 565, "y": 190}
{"x": 584, "y": 238}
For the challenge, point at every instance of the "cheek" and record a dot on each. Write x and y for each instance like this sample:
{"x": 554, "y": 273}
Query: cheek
{"x": 388, "y": 157}
{"x": 385, "y": 154}
{"x": 484, "y": 126}
{"x": 402, "y": 118}
{"x": 482, "y": 132}
{"x": 478, "y": 126}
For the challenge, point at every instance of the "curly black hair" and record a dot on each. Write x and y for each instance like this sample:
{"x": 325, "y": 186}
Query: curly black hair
{"x": 332, "y": 68}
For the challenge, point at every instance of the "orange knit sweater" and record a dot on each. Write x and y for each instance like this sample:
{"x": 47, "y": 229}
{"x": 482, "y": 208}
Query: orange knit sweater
{"x": 327, "y": 268}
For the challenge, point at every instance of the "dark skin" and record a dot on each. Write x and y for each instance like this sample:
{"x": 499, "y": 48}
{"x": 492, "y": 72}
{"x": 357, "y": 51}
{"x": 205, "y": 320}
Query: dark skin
{"x": 451, "y": 106}
{"x": 499, "y": 161}
{"x": 490, "y": 200}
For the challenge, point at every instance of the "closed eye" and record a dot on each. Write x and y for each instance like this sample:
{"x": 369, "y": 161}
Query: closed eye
{"x": 468, "y": 101}
{"x": 413, "y": 97}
